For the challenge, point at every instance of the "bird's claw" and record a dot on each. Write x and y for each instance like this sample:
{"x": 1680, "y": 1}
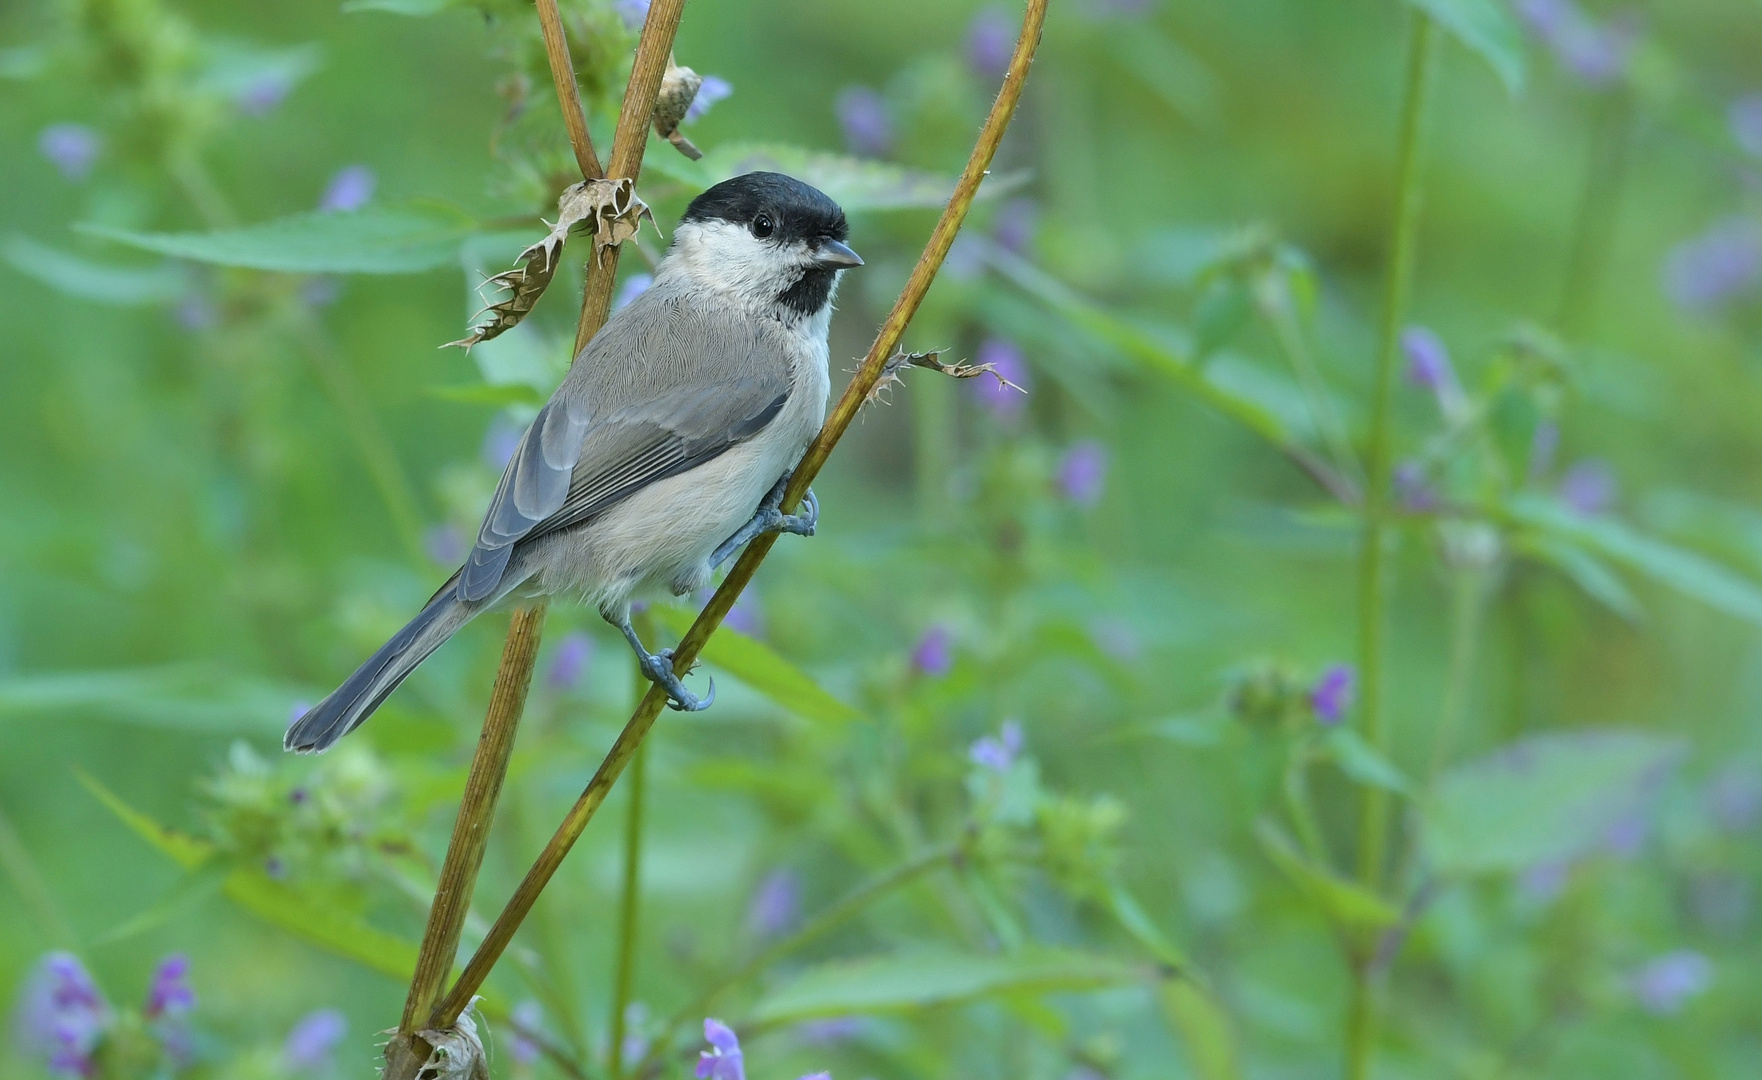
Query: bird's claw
{"x": 658, "y": 668}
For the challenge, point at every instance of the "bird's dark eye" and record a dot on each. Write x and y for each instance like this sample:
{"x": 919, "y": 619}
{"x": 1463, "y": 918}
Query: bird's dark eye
{"x": 763, "y": 226}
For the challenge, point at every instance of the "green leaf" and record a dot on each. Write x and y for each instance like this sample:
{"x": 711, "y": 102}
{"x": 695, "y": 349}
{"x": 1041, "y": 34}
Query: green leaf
{"x": 1486, "y": 29}
{"x": 235, "y": 68}
{"x": 272, "y": 901}
{"x": 1688, "y": 573}
{"x": 373, "y": 240}
{"x": 399, "y": 7}
{"x": 1543, "y": 799}
{"x": 856, "y": 184}
{"x": 760, "y": 667}
{"x": 1346, "y": 903}
{"x": 1588, "y": 572}
{"x": 907, "y": 981}
{"x": 184, "y": 698}
{"x": 490, "y": 394}
{"x": 1202, "y": 1027}
{"x": 1363, "y": 762}
{"x": 200, "y": 882}
{"x": 107, "y": 283}
{"x": 1132, "y": 917}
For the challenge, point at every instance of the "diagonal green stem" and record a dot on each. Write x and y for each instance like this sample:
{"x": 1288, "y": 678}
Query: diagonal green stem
{"x": 1373, "y": 583}
{"x": 628, "y": 904}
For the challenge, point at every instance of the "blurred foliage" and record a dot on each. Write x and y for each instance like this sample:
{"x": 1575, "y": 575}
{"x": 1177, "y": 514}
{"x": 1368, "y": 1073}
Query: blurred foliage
{"x": 1042, "y": 759}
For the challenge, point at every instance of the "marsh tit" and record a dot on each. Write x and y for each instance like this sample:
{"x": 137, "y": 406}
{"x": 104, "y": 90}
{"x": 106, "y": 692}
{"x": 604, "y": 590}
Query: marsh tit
{"x": 666, "y": 447}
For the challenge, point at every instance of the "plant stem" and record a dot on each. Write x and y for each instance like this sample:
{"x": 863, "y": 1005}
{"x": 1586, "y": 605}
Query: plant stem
{"x": 1468, "y": 596}
{"x": 452, "y": 897}
{"x": 823, "y": 923}
{"x": 628, "y": 904}
{"x": 840, "y": 418}
{"x": 1372, "y": 583}
{"x": 550, "y": 21}
{"x": 1298, "y": 805}
{"x": 1296, "y": 349}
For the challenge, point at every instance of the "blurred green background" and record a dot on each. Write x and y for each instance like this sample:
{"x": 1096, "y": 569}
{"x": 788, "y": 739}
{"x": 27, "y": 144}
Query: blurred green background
{"x": 1070, "y": 677}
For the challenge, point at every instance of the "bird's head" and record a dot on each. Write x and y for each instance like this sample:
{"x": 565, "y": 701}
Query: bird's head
{"x": 768, "y": 240}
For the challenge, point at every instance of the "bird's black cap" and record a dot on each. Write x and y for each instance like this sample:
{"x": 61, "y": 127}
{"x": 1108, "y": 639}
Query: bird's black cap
{"x": 798, "y": 211}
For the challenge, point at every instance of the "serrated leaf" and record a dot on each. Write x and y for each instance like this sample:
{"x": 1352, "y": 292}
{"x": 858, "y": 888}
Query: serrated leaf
{"x": 1689, "y": 573}
{"x": 88, "y": 279}
{"x": 272, "y": 901}
{"x": 762, "y": 668}
{"x": 372, "y": 240}
{"x": 856, "y": 184}
{"x": 907, "y": 981}
{"x": 1486, "y": 29}
{"x": 1346, "y": 903}
{"x": 1362, "y": 762}
{"x": 1543, "y": 799}
{"x": 489, "y": 394}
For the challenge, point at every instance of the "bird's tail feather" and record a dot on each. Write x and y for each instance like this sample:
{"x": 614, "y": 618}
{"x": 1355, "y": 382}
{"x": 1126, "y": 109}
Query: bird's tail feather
{"x": 350, "y": 704}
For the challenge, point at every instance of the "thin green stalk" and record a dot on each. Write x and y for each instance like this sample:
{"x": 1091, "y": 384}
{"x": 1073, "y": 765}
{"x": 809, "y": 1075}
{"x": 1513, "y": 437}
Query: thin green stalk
{"x": 1468, "y": 597}
{"x": 1315, "y": 391}
{"x": 1372, "y": 582}
{"x": 627, "y": 909}
{"x": 1302, "y": 812}
{"x": 21, "y": 870}
{"x": 820, "y": 925}
{"x": 933, "y": 448}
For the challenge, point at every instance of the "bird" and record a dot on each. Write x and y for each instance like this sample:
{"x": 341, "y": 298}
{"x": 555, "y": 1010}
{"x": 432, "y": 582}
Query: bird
{"x": 667, "y": 446}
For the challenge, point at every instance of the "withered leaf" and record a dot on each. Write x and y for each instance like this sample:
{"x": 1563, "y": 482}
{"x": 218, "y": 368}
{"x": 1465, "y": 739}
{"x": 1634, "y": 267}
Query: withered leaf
{"x": 455, "y": 1053}
{"x": 899, "y": 361}
{"x": 679, "y": 88}
{"x": 608, "y": 209}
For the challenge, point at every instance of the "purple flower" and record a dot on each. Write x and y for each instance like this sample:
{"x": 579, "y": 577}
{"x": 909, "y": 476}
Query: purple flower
{"x": 776, "y": 904}
{"x": 633, "y": 12}
{"x": 72, "y": 148}
{"x": 1734, "y": 797}
{"x": 62, "y": 1015}
{"x": 1413, "y": 489}
{"x": 829, "y": 1031}
{"x": 1082, "y": 473}
{"x": 1597, "y": 52}
{"x": 991, "y": 39}
{"x": 1003, "y": 402}
{"x": 933, "y": 655}
{"x": 350, "y": 189}
{"x": 309, "y": 1044}
{"x": 526, "y": 1019}
{"x": 1664, "y": 985}
{"x": 634, "y": 286}
{"x": 745, "y": 616}
{"x": 499, "y": 443}
{"x": 297, "y": 710}
{"x": 1428, "y": 362}
{"x": 1331, "y": 695}
{"x": 169, "y": 994}
{"x": 867, "y": 124}
{"x": 1543, "y": 444}
{"x": 569, "y": 662}
{"x": 261, "y": 96}
{"x": 1000, "y": 753}
{"x": 1626, "y": 835}
{"x": 445, "y": 544}
{"x": 723, "y": 1061}
{"x": 1745, "y": 117}
{"x": 1589, "y": 487}
{"x": 1016, "y": 223}
{"x": 1706, "y": 271}
{"x": 713, "y": 89}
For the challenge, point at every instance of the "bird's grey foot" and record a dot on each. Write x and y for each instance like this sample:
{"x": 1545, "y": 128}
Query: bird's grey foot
{"x": 658, "y": 669}
{"x": 768, "y": 518}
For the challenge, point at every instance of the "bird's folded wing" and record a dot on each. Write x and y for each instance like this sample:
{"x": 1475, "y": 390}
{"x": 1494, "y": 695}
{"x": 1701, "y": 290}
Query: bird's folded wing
{"x": 570, "y": 465}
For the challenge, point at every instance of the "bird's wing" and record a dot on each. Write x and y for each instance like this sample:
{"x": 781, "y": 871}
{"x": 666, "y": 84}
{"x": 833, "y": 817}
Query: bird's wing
{"x": 576, "y": 460}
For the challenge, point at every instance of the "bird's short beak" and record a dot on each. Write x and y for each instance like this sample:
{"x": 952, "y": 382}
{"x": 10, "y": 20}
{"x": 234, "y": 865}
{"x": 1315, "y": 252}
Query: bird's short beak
{"x": 832, "y": 255}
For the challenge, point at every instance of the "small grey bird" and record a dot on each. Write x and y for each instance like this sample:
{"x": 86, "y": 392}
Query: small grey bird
{"x": 667, "y": 446}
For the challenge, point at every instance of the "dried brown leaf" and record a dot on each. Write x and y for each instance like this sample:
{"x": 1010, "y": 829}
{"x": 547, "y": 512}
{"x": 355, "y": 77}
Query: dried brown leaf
{"x": 608, "y": 209}
{"x": 679, "y": 88}
{"x": 899, "y": 361}
{"x": 455, "y": 1053}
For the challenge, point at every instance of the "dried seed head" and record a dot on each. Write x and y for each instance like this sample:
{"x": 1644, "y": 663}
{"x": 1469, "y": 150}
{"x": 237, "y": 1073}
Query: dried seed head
{"x": 679, "y": 87}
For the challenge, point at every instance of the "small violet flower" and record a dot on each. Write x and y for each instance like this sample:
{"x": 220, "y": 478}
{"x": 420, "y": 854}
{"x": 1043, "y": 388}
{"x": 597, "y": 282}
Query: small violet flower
{"x": 1082, "y": 473}
{"x": 867, "y": 123}
{"x": 1428, "y": 364}
{"x": 1734, "y": 797}
{"x": 169, "y": 994}
{"x": 633, "y": 12}
{"x": 62, "y": 1015}
{"x": 527, "y": 1018}
{"x": 1000, "y": 753}
{"x": 634, "y": 286}
{"x": 723, "y": 1061}
{"x": 1413, "y": 489}
{"x": 262, "y": 95}
{"x": 1665, "y": 984}
{"x": 713, "y": 89}
{"x": 1705, "y": 272}
{"x": 1331, "y": 696}
{"x": 1597, "y": 52}
{"x": 1589, "y": 487}
{"x": 933, "y": 655}
{"x": 570, "y": 660}
{"x": 499, "y": 442}
{"x": 72, "y": 148}
{"x": 1016, "y": 223}
{"x": 776, "y": 904}
{"x": 1543, "y": 445}
{"x": 350, "y": 189}
{"x": 991, "y": 39}
{"x": 309, "y": 1045}
{"x": 1745, "y": 117}
{"x": 1002, "y": 402}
